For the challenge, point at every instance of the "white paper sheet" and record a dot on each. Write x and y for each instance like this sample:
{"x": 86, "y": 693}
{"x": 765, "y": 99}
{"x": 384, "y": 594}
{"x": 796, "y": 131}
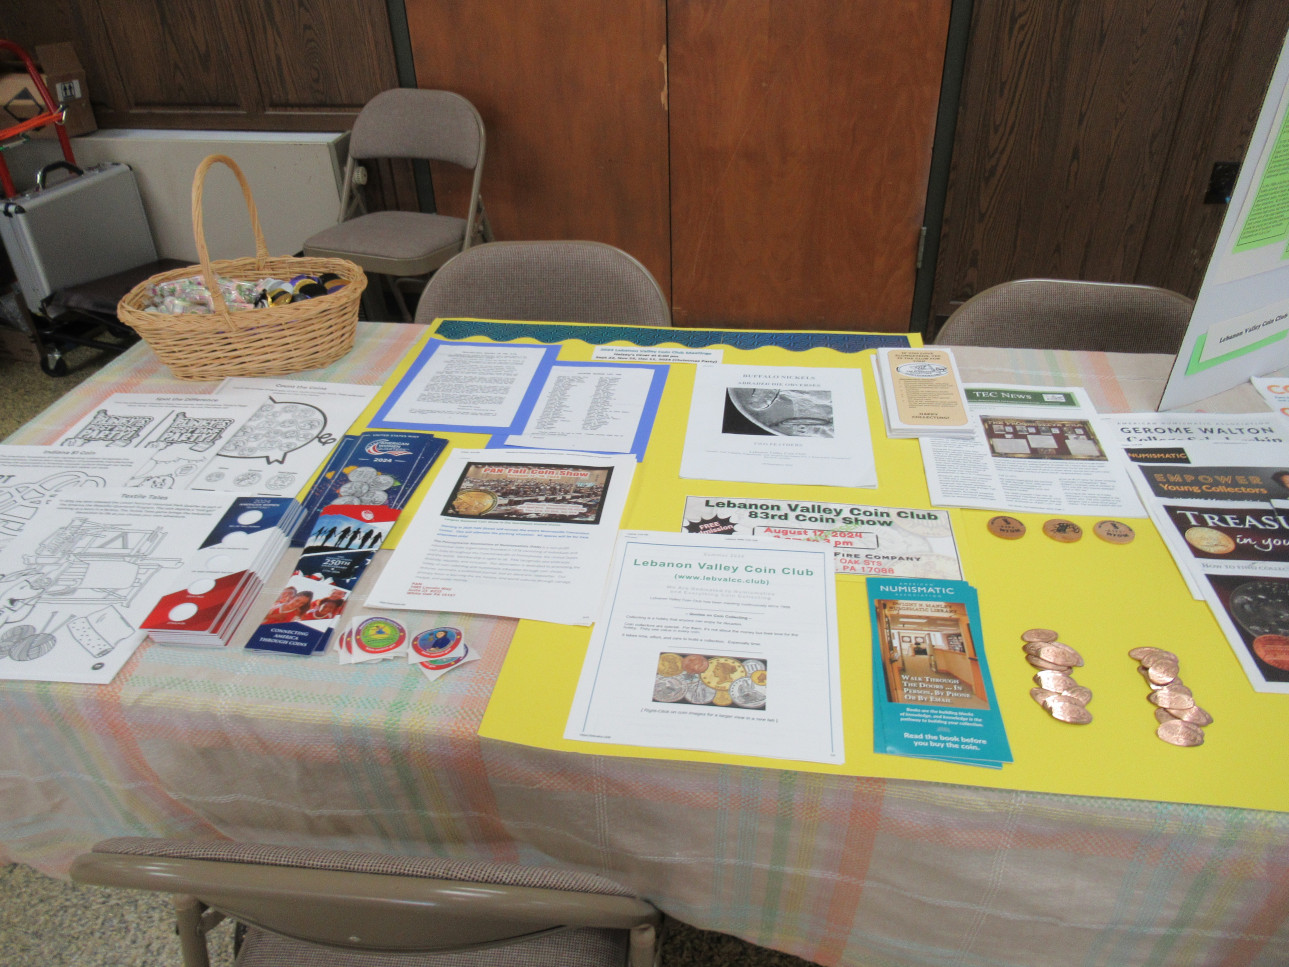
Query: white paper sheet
{"x": 1034, "y": 449}
{"x": 464, "y": 385}
{"x": 79, "y": 579}
{"x": 587, "y": 408}
{"x": 720, "y": 644}
{"x": 31, "y": 475}
{"x": 180, "y": 432}
{"x": 779, "y": 424}
{"x": 519, "y": 533}
{"x": 290, "y": 434}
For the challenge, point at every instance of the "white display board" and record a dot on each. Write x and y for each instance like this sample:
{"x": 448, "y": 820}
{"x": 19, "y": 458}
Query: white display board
{"x": 1240, "y": 326}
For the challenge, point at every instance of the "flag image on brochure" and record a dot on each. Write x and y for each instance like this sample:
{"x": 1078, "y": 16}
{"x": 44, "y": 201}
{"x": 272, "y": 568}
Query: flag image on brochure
{"x": 933, "y": 696}
{"x": 519, "y": 533}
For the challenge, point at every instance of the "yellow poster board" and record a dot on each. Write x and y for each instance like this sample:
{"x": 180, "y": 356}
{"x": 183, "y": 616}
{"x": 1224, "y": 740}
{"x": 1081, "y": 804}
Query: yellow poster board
{"x": 1102, "y": 598}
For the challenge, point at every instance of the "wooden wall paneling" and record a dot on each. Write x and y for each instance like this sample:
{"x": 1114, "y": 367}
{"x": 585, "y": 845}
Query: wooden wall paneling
{"x": 801, "y": 139}
{"x": 320, "y": 58}
{"x": 297, "y": 65}
{"x": 572, "y": 98}
{"x": 1240, "y": 43}
{"x": 1065, "y": 125}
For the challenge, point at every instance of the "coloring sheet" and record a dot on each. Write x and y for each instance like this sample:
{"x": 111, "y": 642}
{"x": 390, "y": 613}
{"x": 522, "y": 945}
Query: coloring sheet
{"x": 292, "y": 431}
{"x": 181, "y": 433}
{"x": 31, "y": 475}
{"x": 78, "y": 581}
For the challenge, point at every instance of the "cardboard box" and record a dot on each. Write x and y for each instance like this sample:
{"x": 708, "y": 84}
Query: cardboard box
{"x": 63, "y": 74}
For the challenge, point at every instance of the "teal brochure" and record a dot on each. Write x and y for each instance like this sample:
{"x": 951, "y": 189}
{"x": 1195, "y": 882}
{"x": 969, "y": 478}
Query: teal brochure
{"x": 933, "y": 697}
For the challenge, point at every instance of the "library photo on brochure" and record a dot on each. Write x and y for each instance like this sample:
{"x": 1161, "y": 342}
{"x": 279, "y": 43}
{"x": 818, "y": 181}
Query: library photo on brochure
{"x": 930, "y": 659}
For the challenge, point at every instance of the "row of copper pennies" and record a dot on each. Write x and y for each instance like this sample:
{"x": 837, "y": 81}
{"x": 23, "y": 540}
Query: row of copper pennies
{"x": 1179, "y": 720}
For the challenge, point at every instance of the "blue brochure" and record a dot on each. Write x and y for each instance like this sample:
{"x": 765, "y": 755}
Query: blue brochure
{"x": 933, "y": 697}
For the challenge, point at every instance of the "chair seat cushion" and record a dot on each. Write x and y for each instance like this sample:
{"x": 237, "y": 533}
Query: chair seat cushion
{"x": 396, "y": 243}
{"x": 566, "y": 948}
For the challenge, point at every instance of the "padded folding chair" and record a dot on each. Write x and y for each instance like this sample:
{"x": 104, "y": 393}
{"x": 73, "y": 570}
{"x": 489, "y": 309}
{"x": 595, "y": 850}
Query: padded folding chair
{"x": 417, "y": 124}
{"x": 328, "y": 908}
{"x": 1062, "y": 314}
{"x": 560, "y": 281}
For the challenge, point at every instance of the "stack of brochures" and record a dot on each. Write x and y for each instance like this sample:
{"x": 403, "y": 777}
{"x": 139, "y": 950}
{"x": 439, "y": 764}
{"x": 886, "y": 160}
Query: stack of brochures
{"x": 373, "y": 468}
{"x": 921, "y": 393}
{"x": 211, "y": 594}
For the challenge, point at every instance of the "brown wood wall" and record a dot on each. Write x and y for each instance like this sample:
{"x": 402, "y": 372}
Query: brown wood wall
{"x": 1086, "y": 133}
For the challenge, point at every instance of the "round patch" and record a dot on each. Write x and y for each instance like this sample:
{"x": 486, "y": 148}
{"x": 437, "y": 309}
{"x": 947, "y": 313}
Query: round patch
{"x": 379, "y": 635}
{"x": 436, "y": 643}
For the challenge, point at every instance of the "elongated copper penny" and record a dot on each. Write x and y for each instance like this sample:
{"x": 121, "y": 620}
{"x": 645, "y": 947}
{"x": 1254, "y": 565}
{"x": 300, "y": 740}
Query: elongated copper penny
{"x": 1145, "y": 650}
{"x": 1194, "y": 715}
{"x": 1154, "y": 685}
{"x": 1039, "y": 634}
{"x": 1046, "y": 665}
{"x": 1180, "y": 733}
{"x": 1080, "y": 693}
{"x": 1054, "y": 681}
{"x": 1067, "y": 710}
{"x": 1161, "y": 672}
{"x": 1173, "y": 696}
{"x": 1059, "y": 653}
{"x": 1273, "y": 649}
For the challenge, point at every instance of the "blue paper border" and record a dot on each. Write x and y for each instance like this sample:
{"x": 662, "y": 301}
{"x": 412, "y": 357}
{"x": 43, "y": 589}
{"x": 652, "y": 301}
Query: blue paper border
{"x": 644, "y": 429}
{"x": 379, "y": 421}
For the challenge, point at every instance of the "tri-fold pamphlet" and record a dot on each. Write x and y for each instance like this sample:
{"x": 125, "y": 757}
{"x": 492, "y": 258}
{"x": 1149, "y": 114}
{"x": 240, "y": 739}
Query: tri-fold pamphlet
{"x": 921, "y": 392}
{"x": 933, "y": 696}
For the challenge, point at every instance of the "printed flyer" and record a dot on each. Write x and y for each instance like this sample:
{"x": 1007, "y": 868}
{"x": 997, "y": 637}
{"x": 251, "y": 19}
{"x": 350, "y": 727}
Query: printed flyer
{"x": 866, "y": 541}
{"x": 933, "y": 696}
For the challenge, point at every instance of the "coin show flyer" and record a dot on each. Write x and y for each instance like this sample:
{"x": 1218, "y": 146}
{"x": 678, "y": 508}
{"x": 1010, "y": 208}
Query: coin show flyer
{"x": 933, "y": 696}
{"x": 1033, "y": 449}
{"x": 77, "y": 581}
{"x": 518, "y": 533}
{"x": 719, "y": 644}
{"x": 895, "y": 541}
{"x": 291, "y": 433}
{"x": 779, "y": 425}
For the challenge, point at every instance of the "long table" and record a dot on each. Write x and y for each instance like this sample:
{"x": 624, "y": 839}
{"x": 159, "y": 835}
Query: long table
{"x": 839, "y": 870}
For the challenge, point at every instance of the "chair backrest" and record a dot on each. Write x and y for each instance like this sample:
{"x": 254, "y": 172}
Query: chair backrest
{"x": 413, "y": 123}
{"x": 366, "y": 901}
{"x": 1062, "y": 314}
{"x": 559, "y": 281}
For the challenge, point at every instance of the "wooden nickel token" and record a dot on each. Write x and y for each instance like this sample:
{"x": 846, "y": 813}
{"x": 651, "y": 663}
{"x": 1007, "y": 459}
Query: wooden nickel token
{"x": 1063, "y": 531}
{"x": 1008, "y": 528}
{"x": 1114, "y": 532}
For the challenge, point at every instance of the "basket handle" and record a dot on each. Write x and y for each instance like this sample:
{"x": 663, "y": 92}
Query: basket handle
{"x": 199, "y": 228}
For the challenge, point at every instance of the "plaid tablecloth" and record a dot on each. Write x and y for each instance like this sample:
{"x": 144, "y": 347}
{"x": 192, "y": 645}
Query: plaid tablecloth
{"x": 838, "y": 870}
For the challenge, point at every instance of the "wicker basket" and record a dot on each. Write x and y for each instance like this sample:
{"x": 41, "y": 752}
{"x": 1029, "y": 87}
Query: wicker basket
{"x": 251, "y": 342}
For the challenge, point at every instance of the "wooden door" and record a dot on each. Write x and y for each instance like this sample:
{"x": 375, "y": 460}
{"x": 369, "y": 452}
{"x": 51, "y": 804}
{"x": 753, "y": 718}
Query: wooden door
{"x": 1086, "y": 135}
{"x": 801, "y": 136}
{"x": 573, "y": 98}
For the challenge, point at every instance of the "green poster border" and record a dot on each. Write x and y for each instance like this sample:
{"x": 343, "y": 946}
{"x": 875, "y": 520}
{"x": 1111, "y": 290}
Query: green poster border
{"x": 1197, "y": 365}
